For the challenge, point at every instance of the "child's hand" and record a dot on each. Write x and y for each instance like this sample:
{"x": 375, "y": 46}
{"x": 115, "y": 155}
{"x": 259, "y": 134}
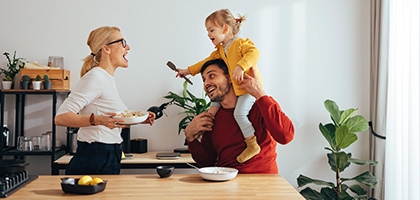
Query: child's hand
{"x": 182, "y": 73}
{"x": 238, "y": 74}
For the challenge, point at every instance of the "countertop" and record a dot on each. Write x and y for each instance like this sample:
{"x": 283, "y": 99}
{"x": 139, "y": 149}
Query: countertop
{"x": 178, "y": 186}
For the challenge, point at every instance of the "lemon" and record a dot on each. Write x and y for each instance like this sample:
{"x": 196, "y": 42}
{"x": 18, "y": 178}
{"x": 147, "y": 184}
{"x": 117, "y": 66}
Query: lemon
{"x": 123, "y": 155}
{"x": 85, "y": 180}
{"x": 96, "y": 180}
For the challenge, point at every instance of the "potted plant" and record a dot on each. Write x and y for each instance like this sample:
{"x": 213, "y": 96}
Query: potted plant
{"x": 340, "y": 134}
{"x": 191, "y": 104}
{"x": 37, "y": 82}
{"x": 7, "y": 83}
{"x": 25, "y": 81}
{"x": 14, "y": 65}
{"x": 47, "y": 82}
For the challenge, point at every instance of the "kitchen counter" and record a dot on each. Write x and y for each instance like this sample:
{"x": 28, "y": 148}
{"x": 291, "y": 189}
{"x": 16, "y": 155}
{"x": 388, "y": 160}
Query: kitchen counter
{"x": 178, "y": 186}
{"x": 146, "y": 160}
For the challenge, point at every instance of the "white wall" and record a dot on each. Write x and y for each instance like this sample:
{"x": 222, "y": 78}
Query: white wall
{"x": 311, "y": 50}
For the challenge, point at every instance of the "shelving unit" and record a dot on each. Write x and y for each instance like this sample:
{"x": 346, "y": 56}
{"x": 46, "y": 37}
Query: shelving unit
{"x": 20, "y": 97}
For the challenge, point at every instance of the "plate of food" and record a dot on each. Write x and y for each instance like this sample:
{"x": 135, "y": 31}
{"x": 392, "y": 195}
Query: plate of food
{"x": 132, "y": 116}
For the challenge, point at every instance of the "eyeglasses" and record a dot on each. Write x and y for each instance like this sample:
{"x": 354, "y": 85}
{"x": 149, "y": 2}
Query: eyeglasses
{"x": 122, "y": 40}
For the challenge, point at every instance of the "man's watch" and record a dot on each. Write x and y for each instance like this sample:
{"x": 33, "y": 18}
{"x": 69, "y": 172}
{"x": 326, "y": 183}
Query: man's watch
{"x": 92, "y": 119}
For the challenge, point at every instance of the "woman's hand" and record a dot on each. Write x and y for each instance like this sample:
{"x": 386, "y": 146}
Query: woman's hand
{"x": 200, "y": 123}
{"x": 109, "y": 121}
{"x": 150, "y": 119}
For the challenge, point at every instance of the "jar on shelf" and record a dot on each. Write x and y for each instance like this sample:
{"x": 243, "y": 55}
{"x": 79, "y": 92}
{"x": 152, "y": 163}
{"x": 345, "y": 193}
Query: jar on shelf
{"x": 46, "y": 141}
{"x": 6, "y": 133}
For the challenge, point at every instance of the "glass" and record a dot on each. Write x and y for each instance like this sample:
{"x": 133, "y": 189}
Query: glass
{"x": 56, "y": 61}
{"x": 122, "y": 40}
{"x": 21, "y": 143}
{"x": 36, "y": 142}
{"x": 45, "y": 142}
{"x": 27, "y": 145}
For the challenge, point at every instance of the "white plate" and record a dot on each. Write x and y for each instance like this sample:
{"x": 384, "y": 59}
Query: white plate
{"x": 218, "y": 173}
{"x": 130, "y": 118}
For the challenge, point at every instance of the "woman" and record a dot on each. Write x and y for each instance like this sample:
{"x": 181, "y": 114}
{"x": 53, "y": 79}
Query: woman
{"x": 93, "y": 102}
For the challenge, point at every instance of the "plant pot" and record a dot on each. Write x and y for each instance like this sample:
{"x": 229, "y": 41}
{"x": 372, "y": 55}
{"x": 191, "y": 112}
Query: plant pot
{"x": 25, "y": 85}
{"x": 47, "y": 85}
{"x": 7, "y": 85}
{"x": 36, "y": 85}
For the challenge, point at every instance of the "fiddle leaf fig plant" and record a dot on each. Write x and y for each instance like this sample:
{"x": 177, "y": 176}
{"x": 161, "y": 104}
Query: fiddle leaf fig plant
{"x": 191, "y": 104}
{"x": 340, "y": 134}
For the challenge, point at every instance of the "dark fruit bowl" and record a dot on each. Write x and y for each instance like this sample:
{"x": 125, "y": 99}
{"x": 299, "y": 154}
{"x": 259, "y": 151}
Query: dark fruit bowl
{"x": 69, "y": 185}
{"x": 165, "y": 171}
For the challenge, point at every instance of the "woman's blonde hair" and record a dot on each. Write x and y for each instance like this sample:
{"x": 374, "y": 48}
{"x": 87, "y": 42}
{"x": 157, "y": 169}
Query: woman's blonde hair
{"x": 224, "y": 16}
{"x": 97, "y": 38}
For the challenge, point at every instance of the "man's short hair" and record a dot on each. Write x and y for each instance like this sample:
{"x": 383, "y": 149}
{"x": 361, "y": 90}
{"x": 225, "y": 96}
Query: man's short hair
{"x": 219, "y": 62}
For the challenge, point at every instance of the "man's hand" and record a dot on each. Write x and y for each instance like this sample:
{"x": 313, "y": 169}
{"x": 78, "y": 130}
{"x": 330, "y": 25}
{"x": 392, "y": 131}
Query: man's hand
{"x": 201, "y": 122}
{"x": 252, "y": 85}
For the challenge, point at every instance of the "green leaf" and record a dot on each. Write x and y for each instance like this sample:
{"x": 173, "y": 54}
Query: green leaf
{"x": 345, "y": 196}
{"x": 357, "y": 124}
{"x": 311, "y": 194}
{"x": 184, "y": 91}
{"x": 344, "y": 137}
{"x": 332, "y": 108}
{"x": 339, "y": 160}
{"x": 362, "y": 162}
{"x": 192, "y": 96}
{"x": 304, "y": 180}
{"x": 328, "y": 131}
{"x": 184, "y": 123}
{"x": 357, "y": 189}
{"x": 347, "y": 114}
{"x": 328, "y": 193}
{"x": 366, "y": 178}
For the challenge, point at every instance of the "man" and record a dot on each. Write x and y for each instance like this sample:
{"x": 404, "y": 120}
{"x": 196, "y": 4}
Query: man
{"x": 223, "y": 141}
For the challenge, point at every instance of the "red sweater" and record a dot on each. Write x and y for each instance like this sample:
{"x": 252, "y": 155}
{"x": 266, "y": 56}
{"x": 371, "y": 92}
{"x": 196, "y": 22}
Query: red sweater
{"x": 225, "y": 142}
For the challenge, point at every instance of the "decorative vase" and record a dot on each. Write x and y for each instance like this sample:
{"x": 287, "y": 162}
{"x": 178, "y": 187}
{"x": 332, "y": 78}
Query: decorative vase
{"x": 36, "y": 85}
{"x": 47, "y": 85}
{"x": 25, "y": 85}
{"x": 7, "y": 85}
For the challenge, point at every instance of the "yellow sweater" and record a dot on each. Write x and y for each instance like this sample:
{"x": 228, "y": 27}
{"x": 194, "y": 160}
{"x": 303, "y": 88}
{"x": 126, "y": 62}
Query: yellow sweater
{"x": 242, "y": 52}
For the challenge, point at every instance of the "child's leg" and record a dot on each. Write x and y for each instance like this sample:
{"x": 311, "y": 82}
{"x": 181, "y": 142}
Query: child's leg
{"x": 214, "y": 107}
{"x": 243, "y": 105}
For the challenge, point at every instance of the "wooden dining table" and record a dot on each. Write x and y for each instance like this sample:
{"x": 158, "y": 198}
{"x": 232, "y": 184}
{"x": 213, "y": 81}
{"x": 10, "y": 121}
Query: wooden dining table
{"x": 177, "y": 186}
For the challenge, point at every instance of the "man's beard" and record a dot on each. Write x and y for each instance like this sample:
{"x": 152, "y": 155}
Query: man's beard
{"x": 222, "y": 91}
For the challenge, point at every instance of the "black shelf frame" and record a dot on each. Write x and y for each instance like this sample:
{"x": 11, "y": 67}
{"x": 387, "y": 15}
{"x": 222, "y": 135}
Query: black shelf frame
{"x": 20, "y": 98}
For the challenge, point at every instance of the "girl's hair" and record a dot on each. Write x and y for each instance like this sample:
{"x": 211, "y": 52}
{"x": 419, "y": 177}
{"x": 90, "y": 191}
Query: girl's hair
{"x": 97, "y": 38}
{"x": 224, "y": 16}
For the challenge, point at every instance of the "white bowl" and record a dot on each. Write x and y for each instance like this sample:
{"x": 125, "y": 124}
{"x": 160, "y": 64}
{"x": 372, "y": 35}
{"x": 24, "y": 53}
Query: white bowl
{"x": 218, "y": 173}
{"x": 132, "y": 116}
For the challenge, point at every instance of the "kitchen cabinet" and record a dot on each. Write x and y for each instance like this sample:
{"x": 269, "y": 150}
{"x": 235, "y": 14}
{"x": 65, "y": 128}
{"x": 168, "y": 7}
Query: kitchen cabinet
{"x": 19, "y": 122}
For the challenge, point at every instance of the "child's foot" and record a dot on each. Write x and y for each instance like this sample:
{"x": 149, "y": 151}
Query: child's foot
{"x": 252, "y": 149}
